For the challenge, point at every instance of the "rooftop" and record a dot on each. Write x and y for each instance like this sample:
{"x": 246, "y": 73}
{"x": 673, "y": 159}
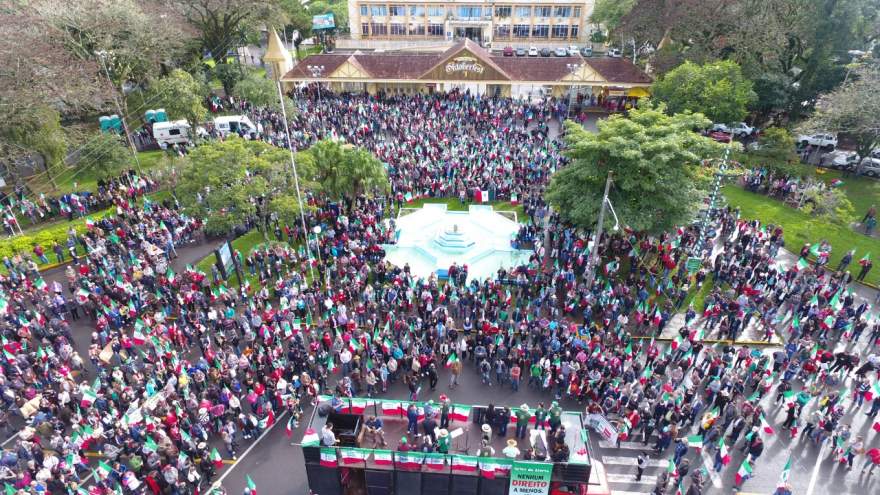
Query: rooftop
{"x": 430, "y": 66}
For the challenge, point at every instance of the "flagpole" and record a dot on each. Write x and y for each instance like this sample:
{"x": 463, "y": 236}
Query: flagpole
{"x": 302, "y": 216}
{"x": 591, "y": 260}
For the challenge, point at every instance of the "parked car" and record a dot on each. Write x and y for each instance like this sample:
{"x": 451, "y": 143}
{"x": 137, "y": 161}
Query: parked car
{"x": 533, "y": 51}
{"x": 840, "y": 160}
{"x": 508, "y": 51}
{"x": 587, "y": 51}
{"x": 827, "y": 141}
{"x": 871, "y": 167}
{"x": 740, "y": 129}
{"x": 561, "y": 52}
{"x": 545, "y": 52}
{"x": 521, "y": 52}
{"x": 614, "y": 53}
{"x": 721, "y": 137}
{"x": 572, "y": 50}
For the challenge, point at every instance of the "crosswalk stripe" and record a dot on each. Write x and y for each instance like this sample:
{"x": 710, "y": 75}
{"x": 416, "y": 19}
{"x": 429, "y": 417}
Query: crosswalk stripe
{"x": 630, "y": 478}
{"x": 621, "y": 492}
{"x": 631, "y": 461}
{"x": 624, "y": 445}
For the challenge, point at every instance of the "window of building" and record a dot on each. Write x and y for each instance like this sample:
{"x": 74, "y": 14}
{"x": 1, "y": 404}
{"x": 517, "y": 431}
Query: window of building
{"x": 577, "y": 12}
{"x": 520, "y": 30}
{"x": 540, "y": 31}
{"x": 436, "y": 11}
{"x": 398, "y": 29}
{"x": 416, "y": 29}
{"x": 468, "y": 11}
{"x": 364, "y": 10}
{"x": 543, "y": 11}
{"x": 435, "y": 30}
{"x": 379, "y": 29}
{"x": 377, "y": 10}
{"x": 502, "y": 31}
{"x": 523, "y": 11}
{"x": 574, "y": 30}
{"x": 560, "y": 31}
{"x": 417, "y": 10}
{"x": 502, "y": 12}
{"x": 397, "y": 10}
{"x": 562, "y": 11}
{"x": 365, "y": 29}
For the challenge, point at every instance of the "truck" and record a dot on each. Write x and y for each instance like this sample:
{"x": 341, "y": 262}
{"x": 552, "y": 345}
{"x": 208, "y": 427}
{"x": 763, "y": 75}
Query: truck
{"x": 740, "y": 129}
{"x": 172, "y": 132}
{"x": 821, "y": 140}
{"x": 235, "y": 124}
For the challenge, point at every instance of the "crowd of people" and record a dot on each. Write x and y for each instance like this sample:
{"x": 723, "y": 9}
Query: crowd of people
{"x": 39, "y": 208}
{"x": 182, "y": 366}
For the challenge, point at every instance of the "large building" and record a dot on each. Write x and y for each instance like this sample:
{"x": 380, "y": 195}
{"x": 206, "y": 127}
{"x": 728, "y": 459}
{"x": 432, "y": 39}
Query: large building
{"x": 465, "y": 66}
{"x": 542, "y": 23}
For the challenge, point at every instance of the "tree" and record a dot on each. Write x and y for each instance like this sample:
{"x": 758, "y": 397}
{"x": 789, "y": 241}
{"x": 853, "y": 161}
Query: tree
{"x": 137, "y": 39}
{"x": 224, "y": 24}
{"x": 299, "y": 19}
{"x": 231, "y": 182}
{"x": 38, "y": 131}
{"x": 343, "y": 171}
{"x": 852, "y": 110}
{"x": 261, "y": 92}
{"x": 654, "y": 159}
{"x": 609, "y": 13}
{"x": 181, "y": 95}
{"x": 718, "y": 90}
{"x": 229, "y": 75}
{"x": 104, "y": 155}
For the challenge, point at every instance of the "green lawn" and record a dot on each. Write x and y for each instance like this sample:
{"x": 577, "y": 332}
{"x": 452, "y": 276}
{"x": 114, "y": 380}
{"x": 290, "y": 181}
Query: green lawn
{"x": 245, "y": 244}
{"x": 861, "y": 191}
{"x": 453, "y": 204}
{"x": 72, "y": 179}
{"x": 801, "y": 228}
{"x": 304, "y": 52}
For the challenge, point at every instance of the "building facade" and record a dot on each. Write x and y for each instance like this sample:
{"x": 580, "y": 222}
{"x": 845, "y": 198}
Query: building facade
{"x": 466, "y": 66}
{"x": 490, "y": 23}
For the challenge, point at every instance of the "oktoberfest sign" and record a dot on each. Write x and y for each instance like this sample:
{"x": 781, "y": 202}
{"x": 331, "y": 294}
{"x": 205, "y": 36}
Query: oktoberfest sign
{"x": 530, "y": 478}
{"x": 464, "y": 64}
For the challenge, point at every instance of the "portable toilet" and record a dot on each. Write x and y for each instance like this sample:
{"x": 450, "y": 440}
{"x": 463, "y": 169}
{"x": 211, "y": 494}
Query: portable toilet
{"x": 161, "y": 116}
{"x": 150, "y": 116}
{"x": 104, "y": 120}
{"x": 116, "y": 123}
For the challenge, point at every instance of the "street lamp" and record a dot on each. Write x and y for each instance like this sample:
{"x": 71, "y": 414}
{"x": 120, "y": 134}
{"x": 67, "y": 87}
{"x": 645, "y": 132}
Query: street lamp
{"x": 317, "y": 71}
{"x": 573, "y": 69}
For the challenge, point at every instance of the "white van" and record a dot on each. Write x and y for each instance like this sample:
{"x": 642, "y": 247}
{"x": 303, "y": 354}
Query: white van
{"x": 231, "y": 124}
{"x": 170, "y": 133}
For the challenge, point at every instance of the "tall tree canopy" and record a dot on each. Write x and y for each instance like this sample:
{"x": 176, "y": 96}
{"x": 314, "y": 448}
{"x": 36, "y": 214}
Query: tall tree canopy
{"x": 792, "y": 49}
{"x": 137, "y": 39}
{"x": 717, "y": 89}
{"x": 343, "y": 171}
{"x": 181, "y": 95}
{"x": 852, "y": 110}
{"x": 655, "y": 161}
{"x": 224, "y": 25}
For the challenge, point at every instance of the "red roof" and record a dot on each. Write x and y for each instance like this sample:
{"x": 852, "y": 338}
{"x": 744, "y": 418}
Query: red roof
{"x": 409, "y": 65}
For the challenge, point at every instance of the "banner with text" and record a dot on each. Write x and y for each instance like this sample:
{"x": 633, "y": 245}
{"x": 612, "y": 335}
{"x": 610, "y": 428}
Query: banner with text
{"x": 530, "y": 478}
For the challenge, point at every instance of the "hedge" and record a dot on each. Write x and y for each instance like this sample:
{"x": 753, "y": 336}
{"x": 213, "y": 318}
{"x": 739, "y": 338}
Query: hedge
{"x": 24, "y": 244}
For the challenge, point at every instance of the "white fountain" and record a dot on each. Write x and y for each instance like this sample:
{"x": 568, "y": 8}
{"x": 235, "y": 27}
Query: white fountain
{"x": 432, "y": 238}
